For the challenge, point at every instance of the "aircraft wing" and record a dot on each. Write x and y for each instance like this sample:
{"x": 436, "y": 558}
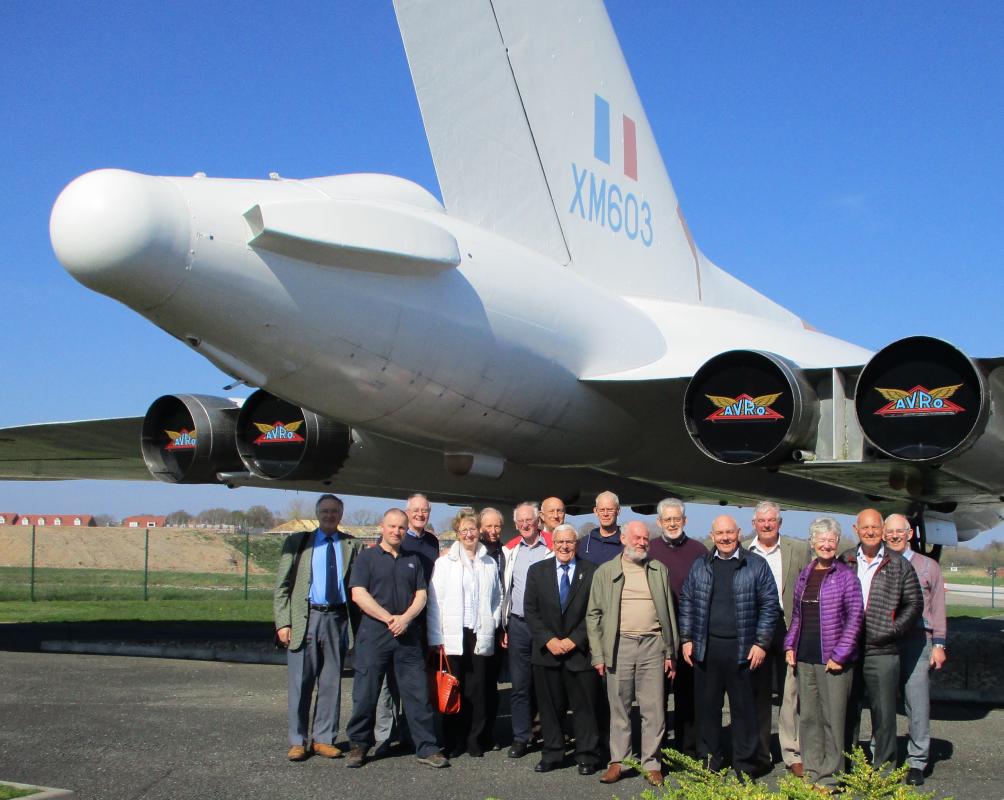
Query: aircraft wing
{"x": 95, "y": 448}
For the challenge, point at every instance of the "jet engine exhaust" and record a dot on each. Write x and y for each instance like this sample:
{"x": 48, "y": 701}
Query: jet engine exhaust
{"x": 750, "y": 407}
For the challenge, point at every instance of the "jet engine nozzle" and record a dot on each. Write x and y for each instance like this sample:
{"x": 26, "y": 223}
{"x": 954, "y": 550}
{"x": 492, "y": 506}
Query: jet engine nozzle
{"x": 921, "y": 399}
{"x": 123, "y": 234}
{"x": 750, "y": 407}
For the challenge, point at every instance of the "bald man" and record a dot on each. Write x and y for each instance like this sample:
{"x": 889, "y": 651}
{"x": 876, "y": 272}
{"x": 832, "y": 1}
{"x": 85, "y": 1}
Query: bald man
{"x": 728, "y": 613}
{"x": 923, "y": 648}
{"x": 893, "y": 605}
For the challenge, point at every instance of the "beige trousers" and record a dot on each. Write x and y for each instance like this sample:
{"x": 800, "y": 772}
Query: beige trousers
{"x": 639, "y": 676}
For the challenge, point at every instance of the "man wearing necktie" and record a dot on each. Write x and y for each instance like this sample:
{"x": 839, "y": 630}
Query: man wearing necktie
{"x": 311, "y": 620}
{"x": 555, "y": 602}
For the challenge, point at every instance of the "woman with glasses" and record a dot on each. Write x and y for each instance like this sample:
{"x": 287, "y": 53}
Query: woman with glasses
{"x": 465, "y": 606}
{"x": 822, "y": 646}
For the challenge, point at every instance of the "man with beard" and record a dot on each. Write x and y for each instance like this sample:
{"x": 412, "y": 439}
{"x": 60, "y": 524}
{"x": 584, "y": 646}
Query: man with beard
{"x": 632, "y": 641}
{"x": 678, "y": 552}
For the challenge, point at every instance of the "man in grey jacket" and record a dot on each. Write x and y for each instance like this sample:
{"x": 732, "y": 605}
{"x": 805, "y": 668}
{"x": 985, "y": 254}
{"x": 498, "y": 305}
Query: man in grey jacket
{"x": 310, "y": 606}
{"x": 893, "y": 605}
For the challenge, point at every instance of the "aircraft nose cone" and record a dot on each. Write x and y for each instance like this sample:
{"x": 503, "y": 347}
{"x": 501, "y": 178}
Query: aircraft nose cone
{"x": 123, "y": 234}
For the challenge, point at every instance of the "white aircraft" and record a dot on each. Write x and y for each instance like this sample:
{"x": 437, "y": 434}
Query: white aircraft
{"x": 397, "y": 343}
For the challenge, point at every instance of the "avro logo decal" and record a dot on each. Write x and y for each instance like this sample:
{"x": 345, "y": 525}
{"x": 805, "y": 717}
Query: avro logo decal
{"x": 279, "y": 433}
{"x": 181, "y": 440}
{"x": 919, "y": 402}
{"x": 743, "y": 407}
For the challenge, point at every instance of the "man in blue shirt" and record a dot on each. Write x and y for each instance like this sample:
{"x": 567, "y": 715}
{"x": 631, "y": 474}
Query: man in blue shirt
{"x": 310, "y": 606}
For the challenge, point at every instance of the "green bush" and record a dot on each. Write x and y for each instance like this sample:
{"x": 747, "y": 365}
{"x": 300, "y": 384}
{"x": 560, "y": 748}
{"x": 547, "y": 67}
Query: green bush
{"x": 689, "y": 779}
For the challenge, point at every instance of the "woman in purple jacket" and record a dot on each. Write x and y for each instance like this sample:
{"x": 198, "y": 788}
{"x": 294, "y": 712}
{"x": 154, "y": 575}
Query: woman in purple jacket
{"x": 821, "y": 645}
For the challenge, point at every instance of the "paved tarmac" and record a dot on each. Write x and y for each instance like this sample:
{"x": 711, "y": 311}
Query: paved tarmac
{"x": 972, "y": 595}
{"x": 119, "y": 727}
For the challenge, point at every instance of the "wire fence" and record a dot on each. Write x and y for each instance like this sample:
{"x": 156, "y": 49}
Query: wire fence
{"x": 71, "y": 563}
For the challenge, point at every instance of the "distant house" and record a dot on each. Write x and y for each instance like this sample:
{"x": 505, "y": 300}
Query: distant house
{"x": 8, "y": 518}
{"x": 71, "y": 520}
{"x": 144, "y": 521}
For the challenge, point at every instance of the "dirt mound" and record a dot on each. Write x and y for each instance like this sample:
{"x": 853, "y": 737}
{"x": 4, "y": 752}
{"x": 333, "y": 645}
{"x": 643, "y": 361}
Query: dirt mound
{"x": 171, "y": 550}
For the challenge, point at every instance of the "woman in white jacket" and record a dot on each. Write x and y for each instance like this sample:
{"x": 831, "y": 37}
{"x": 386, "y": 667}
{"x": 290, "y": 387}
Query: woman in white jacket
{"x": 465, "y": 606}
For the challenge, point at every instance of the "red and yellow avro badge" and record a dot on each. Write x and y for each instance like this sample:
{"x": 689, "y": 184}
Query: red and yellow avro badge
{"x": 279, "y": 433}
{"x": 743, "y": 407}
{"x": 919, "y": 401}
{"x": 181, "y": 440}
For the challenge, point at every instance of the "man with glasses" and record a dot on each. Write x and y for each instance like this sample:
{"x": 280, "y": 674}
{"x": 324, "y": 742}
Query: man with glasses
{"x": 922, "y": 650}
{"x": 632, "y": 642}
{"x": 893, "y": 606}
{"x": 556, "y": 598}
{"x": 312, "y": 620}
{"x": 530, "y": 549}
{"x": 786, "y": 558}
{"x": 728, "y": 613}
{"x": 678, "y": 552}
{"x": 603, "y": 542}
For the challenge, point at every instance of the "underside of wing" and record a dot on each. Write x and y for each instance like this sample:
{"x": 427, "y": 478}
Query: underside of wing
{"x": 98, "y": 448}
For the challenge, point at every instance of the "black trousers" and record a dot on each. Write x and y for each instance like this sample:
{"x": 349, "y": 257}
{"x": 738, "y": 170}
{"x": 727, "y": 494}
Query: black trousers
{"x": 493, "y": 668}
{"x": 465, "y": 730}
{"x": 718, "y": 674}
{"x": 684, "y": 735}
{"x": 559, "y": 689}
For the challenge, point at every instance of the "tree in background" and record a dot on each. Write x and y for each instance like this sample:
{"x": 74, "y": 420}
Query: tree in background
{"x": 178, "y": 518}
{"x": 296, "y": 509}
{"x": 105, "y": 521}
{"x": 362, "y": 516}
{"x": 259, "y": 517}
{"x": 217, "y": 516}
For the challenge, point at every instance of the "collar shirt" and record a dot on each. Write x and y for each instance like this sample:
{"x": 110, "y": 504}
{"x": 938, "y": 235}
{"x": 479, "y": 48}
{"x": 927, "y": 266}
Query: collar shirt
{"x": 319, "y": 594}
{"x": 735, "y": 554}
{"x": 773, "y": 558}
{"x": 526, "y": 556}
{"x": 866, "y": 571}
{"x": 471, "y": 592}
{"x": 559, "y": 571}
{"x": 908, "y": 554}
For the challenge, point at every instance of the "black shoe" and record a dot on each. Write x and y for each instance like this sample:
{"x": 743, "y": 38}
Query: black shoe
{"x": 475, "y": 752}
{"x": 518, "y": 749}
{"x": 545, "y": 766}
{"x": 915, "y": 777}
{"x": 587, "y": 769}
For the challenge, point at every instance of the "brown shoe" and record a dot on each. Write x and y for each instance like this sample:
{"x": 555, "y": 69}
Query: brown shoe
{"x": 327, "y": 750}
{"x": 357, "y": 755}
{"x": 612, "y": 775}
{"x": 297, "y": 752}
{"x": 654, "y": 777}
{"x": 797, "y": 769}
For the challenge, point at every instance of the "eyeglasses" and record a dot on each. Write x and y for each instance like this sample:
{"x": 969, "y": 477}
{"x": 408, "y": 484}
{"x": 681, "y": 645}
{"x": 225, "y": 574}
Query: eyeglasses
{"x": 672, "y": 520}
{"x": 897, "y": 531}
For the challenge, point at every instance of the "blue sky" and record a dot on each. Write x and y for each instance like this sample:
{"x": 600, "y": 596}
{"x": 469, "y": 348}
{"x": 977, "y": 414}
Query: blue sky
{"x": 845, "y": 159}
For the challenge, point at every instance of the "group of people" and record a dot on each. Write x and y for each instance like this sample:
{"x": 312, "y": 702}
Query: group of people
{"x": 593, "y": 625}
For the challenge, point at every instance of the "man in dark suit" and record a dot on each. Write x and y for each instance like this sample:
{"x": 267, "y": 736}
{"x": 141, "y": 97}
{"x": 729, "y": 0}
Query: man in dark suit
{"x": 555, "y": 603}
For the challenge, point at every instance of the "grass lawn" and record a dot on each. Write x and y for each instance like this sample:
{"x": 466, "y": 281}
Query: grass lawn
{"x": 971, "y": 580}
{"x": 120, "y": 584}
{"x": 973, "y": 611}
{"x": 213, "y": 610}
{"x": 7, "y": 791}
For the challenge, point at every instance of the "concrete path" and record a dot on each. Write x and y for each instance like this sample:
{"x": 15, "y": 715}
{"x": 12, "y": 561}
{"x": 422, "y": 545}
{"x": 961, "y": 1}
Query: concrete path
{"x": 120, "y": 727}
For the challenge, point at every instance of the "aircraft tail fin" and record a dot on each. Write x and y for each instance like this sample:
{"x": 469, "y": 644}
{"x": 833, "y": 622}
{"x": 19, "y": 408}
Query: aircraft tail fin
{"x": 538, "y": 134}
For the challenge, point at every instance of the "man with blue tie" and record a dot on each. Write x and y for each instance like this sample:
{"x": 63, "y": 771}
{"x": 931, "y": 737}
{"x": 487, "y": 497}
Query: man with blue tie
{"x": 311, "y": 612}
{"x": 555, "y": 603}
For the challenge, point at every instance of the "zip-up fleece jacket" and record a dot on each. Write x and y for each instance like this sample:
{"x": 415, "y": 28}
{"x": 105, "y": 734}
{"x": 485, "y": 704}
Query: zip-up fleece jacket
{"x": 757, "y": 606}
{"x": 894, "y": 602}
{"x": 841, "y": 613}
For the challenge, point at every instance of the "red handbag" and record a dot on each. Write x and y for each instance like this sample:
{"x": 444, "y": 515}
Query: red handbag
{"x": 444, "y": 687}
